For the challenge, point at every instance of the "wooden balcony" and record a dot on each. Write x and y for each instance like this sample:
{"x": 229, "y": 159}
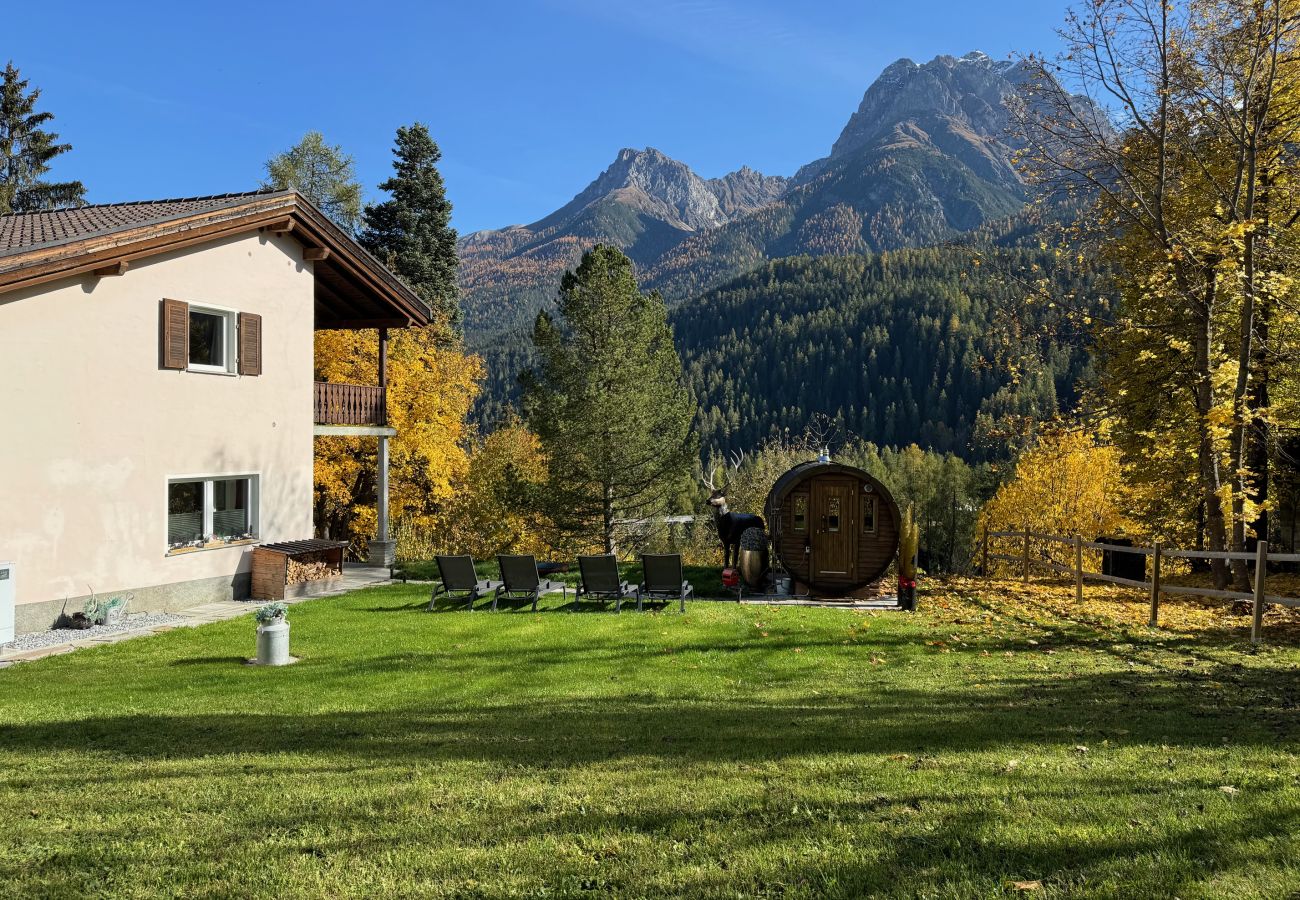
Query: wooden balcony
{"x": 350, "y": 404}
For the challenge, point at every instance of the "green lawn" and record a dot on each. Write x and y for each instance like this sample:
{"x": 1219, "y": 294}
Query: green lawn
{"x": 996, "y": 737}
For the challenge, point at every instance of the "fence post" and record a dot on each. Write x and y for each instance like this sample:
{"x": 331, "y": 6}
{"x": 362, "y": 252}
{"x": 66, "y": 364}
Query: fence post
{"x": 984, "y": 565}
{"x": 1155, "y": 585}
{"x": 1261, "y": 569}
{"x": 1078, "y": 568}
{"x": 1026, "y": 556}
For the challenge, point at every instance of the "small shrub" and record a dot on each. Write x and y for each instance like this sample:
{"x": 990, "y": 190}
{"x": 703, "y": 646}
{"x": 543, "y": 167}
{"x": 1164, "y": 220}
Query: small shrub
{"x": 269, "y": 613}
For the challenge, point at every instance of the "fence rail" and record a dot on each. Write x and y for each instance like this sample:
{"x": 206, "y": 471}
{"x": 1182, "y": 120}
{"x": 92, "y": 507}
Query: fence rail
{"x": 1154, "y": 585}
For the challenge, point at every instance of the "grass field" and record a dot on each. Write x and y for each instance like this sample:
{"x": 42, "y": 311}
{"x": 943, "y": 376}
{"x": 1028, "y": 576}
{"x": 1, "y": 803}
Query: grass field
{"x": 1002, "y": 741}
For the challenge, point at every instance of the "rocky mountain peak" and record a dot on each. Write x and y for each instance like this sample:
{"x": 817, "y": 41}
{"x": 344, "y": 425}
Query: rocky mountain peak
{"x": 666, "y": 189}
{"x": 967, "y": 91}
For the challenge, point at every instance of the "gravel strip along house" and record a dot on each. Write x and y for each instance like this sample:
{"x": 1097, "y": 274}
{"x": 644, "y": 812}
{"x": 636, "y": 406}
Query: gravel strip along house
{"x": 159, "y": 406}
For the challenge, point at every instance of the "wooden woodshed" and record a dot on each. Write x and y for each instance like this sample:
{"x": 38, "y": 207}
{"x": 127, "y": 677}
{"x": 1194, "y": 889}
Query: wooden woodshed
{"x": 834, "y": 528}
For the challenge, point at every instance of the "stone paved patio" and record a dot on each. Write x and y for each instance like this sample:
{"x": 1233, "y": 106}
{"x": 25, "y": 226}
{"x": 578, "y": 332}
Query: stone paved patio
{"x": 354, "y": 577}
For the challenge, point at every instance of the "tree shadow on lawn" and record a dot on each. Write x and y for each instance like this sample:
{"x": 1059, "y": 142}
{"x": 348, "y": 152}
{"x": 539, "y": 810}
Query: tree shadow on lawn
{"x": 1134, "y": 707}
{"x": 550, "y": 603}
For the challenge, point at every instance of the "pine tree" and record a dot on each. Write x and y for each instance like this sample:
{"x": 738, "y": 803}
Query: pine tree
{"x": 412, "y": 230}
{"x": 607, "y": 400}
{"x": 322, "y": 173}
{"x": 26, "y": 150}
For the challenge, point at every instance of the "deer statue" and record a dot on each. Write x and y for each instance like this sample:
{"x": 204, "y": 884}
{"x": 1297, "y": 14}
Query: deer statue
{"x": 730, "y": 525}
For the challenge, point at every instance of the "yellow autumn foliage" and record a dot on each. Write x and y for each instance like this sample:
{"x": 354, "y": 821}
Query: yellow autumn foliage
{"x": 1069, "y": 483}
{"x": 493, "y": 511}
{"x": 432, "y": 384}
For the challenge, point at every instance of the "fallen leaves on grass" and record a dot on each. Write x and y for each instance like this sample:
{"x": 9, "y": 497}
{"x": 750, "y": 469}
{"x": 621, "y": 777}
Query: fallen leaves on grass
{"x": 1006, "y": 607}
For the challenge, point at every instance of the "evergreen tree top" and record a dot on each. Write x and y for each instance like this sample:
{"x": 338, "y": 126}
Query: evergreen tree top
{"x": 411, "y": 231}
{"x": 26, "y": 149}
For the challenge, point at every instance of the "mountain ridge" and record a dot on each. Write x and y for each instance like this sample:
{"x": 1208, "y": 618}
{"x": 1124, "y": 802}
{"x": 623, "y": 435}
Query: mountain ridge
{"x": 924, "y": 157}
{"x": 644, "y": 202}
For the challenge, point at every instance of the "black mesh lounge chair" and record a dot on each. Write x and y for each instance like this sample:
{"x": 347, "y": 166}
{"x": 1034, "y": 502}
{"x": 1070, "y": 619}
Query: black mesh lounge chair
{"x": 460, "y": 581}
{"x": 521, "y": 581}
{"x": 600, "y": 581}
{"x": 662, "y": 574}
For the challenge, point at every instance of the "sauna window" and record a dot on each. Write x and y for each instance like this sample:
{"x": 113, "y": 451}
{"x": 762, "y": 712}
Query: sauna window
{"x": 869, "y": 514}
{"x": 833, "y": 515}
{"x": 801, "y": 513}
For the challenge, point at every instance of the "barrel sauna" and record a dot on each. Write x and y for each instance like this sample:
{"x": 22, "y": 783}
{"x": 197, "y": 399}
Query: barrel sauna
{"x": 834, "y": 528}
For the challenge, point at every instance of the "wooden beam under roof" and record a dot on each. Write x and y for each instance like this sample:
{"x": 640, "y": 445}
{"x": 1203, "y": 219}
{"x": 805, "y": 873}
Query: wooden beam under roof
{"x": 353, "y": 324}
{"x": 117, "y": 268}
{"x": 341, "y": 306}
{"x": 315, "y": 254}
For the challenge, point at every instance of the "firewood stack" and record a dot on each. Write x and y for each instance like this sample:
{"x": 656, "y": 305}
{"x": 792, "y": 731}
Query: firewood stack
{"x": 292, "y": 568}
{"x": 299, "y": 571}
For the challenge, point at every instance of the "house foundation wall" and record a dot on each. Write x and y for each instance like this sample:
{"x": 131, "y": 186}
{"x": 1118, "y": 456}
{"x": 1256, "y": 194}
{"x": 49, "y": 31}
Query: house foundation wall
{"x": 41, "y": 616}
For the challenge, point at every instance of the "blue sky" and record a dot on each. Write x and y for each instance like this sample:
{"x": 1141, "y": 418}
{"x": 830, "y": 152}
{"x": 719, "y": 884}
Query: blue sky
{"x": 528, "y": 100}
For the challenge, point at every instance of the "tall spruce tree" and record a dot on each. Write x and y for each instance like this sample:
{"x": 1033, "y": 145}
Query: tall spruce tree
{"x": 26, "y": 149}
{"x": 322, "y": 173}
{"x": 411, "y": 231}
{"x": 608, "y": 400}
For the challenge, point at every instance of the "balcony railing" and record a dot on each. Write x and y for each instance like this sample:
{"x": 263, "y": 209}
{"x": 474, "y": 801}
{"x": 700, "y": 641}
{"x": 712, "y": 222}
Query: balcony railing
{"x": 350, "y": 404}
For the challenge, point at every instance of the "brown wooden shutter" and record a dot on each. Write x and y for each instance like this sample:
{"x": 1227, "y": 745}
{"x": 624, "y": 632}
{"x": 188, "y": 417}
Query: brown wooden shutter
{"x": 174, "y": 342}
{"x": 250, "y": 344}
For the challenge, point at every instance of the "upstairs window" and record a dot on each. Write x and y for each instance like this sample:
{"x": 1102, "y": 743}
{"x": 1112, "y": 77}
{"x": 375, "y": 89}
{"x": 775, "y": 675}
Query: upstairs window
{"x": 211, "y": 339}
{"x": 212, "y": 344}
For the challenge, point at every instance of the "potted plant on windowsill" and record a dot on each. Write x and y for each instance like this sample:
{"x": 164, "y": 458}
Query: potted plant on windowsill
{"x": 272, "y": 636}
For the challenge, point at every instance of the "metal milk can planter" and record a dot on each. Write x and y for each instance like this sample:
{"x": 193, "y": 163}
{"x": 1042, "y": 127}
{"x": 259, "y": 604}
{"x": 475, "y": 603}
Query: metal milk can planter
{"x": 272, "y": 637}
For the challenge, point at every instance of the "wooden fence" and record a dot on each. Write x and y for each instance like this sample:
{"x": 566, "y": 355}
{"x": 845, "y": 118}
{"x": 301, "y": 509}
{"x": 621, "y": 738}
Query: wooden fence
{"x": 1154, "y": 585}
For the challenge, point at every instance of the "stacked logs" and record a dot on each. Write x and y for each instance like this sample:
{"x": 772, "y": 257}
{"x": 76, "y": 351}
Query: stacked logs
{"x": 299, "y": 571}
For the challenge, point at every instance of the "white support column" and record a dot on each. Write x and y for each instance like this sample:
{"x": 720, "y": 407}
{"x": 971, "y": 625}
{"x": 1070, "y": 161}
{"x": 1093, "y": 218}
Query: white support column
{"x": 383, "y": 550}
{"x": 383, "y": 488}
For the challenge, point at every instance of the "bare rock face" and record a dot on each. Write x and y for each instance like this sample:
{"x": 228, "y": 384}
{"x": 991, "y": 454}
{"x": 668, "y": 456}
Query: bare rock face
{"x": 952, "y": 105}
{"x": 667, "y": 189}
{"x": 745, "y": 190}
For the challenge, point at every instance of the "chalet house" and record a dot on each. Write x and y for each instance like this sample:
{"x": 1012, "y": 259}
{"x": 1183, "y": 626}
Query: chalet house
{"x": 157, "y": 402}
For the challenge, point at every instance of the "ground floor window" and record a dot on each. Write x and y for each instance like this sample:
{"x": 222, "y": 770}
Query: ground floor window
{"x": 203, "y": 512}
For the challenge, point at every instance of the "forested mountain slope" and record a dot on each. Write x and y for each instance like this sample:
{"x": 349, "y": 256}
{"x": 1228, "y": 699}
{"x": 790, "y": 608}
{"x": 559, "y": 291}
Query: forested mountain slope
{"x": 901, "y": 347}
{"x": 908, "y": 345}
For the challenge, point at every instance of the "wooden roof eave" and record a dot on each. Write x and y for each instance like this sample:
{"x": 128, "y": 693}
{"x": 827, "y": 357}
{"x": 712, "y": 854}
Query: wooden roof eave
{"x": 82, "y": 257}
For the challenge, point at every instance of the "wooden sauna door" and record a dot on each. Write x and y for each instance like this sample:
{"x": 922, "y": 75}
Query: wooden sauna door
{"x": 834, "y": 529}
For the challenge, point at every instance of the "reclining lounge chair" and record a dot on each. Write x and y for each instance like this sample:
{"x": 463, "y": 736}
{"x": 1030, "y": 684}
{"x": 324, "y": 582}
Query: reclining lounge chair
{"x": 461, "y": 582}
{"x": 600, "y": 581}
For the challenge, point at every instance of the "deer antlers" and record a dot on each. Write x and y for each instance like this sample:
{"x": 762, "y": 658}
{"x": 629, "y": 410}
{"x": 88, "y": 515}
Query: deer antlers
{"x": 736, "y": 458}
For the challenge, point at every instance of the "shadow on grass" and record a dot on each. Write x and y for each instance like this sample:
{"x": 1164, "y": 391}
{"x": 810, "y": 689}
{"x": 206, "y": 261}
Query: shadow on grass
{"x": 549, "y": 604}
{"x": 1150, "y": 708}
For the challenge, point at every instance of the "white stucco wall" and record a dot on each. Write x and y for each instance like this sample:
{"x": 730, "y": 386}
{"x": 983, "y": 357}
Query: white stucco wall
{"x": 91, "y": 428}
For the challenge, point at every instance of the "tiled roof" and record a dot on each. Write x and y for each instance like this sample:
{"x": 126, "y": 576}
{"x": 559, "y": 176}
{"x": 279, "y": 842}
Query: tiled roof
{"x": 26, "y": 231}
